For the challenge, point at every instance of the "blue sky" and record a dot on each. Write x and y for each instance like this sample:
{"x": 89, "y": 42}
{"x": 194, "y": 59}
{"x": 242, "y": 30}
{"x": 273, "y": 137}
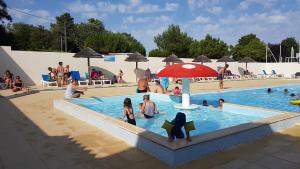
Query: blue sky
{"x": 271, "y": 20}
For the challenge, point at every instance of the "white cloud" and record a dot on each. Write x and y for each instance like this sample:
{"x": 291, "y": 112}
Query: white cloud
{"x": 215, "y": 10}
{"x": 244, "y": 5}
{"x": 271, "y": 26}
{"x": 27, "y": 2}
{"x": 81, "y": 7}
{"x": 152, "y": 20}
{"x": 45, "y": 16}
{"x": 201, "y": 20}
{"x": 194, "y": 4}
{"x": 172, "y": 6}
{"x": 132, "y": 6}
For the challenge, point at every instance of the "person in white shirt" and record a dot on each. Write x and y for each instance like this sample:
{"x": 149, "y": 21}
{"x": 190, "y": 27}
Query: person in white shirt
{"x": 73, "y": 90}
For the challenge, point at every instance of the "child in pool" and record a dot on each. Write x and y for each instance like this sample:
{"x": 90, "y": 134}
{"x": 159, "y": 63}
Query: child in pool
{"x": 221, "y": 102}
{"x": 204, "y": 103}
{"x": 176, "y": 132}
{"x": 128, "y": 111}
{"x": 177, "y": 91}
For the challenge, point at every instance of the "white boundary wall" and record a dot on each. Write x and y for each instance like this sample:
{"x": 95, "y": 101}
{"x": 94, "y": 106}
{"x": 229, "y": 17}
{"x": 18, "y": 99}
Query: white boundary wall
{"x": 30, "y": 65}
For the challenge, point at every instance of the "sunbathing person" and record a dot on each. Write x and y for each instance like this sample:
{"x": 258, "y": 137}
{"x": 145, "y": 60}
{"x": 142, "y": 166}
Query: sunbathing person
{"x": 128, "y": 111}
{"x": 8, "y": 78}
{"x": 176, "y": 132}
{"x": 67, "y": 73}
{"x": 18, "y": 85}
{"x": 158, "y": 87}
{"x": 60, "y": 74}
{"x": 143, "y": 86}
{"x": 95, "y": 75}
{"x": 73, "y": 90}
{"x": 148, "y": 108}
{"x": 52, "y": 74}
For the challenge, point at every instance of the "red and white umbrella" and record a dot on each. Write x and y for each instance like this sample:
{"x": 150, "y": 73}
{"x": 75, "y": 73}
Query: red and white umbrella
{"x": 185, "y": 71}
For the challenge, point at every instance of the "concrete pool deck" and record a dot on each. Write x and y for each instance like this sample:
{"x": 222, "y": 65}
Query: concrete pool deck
{"x": 35, "y": 135}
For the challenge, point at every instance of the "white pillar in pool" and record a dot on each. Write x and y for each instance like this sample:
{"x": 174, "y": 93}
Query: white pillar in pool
{"x": 185, "y": 92}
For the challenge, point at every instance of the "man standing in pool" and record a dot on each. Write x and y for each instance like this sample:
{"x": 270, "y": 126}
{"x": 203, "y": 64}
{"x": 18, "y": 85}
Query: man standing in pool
{"x": 221, "y": 74}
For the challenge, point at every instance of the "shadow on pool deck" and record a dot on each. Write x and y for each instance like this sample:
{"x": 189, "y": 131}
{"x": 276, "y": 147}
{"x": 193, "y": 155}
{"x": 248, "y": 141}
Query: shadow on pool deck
{"x": 24, "y": 145}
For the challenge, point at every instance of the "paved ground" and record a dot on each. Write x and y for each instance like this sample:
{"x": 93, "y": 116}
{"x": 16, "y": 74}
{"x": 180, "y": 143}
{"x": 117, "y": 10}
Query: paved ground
{"x": 33, "y": 135}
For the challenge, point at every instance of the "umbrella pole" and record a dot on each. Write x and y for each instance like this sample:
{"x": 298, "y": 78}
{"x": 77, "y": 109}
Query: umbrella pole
{"x": 185, "y": 92}
{"x": 89, "y": 70}
{"x": 136, "y": 71}
{"x": 246, "y": 66}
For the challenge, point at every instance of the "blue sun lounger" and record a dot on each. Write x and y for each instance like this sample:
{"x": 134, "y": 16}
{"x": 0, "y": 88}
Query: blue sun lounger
{"x": 75, "y": 75}
{"x": 46, "y": 83}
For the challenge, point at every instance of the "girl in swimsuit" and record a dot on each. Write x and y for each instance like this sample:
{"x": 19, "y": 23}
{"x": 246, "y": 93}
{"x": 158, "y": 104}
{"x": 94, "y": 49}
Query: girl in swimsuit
{"x": 128, "y": 111}
{"x": 8, "y": 77}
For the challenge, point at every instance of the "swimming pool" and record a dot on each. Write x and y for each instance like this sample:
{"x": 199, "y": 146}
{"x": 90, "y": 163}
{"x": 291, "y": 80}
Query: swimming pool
{"x": 276, "y": 100}
{"x": 206, "y": 119}
{"x": 215, "y": 130}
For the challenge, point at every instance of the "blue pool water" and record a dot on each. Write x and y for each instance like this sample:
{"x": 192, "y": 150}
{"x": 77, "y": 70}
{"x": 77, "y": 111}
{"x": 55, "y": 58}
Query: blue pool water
{"x": 206, "y": 119}
{"x": 276, "y": 100}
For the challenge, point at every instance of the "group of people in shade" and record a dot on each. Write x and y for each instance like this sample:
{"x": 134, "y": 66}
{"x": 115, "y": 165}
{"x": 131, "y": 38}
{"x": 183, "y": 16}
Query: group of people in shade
{"x": 13, "y": 83}
{"x": 98, "y": 75}
{"x": 60, "y": 74}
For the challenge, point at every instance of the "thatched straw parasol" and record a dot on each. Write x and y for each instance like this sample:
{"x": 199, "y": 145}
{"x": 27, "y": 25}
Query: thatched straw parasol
{"x": 226, "y": 59}
{"x": 172, "y": 58}
{"x": 136, "y": 57}
{"x": 88, "y": 53}
{"x": 247, "y": 60}
{"x": 202, "y": 59}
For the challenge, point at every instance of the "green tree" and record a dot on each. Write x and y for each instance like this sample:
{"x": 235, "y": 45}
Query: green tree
{"x": 211, "y": 47}
{"x": 21, "y": 33}
{"x": 289, "y": 43}
{"x": 5, "y": 36}
{"x": 57, "y": 29}
{"x": 40, "y": 38}
{"x": 158, "y": 53}
{"x": 107, "y": 42}
{"x": 3, "y": 12}
{"x": 84, "y": 30}
{"x": 251, "y": 46}
{"x": 174, "y": 41}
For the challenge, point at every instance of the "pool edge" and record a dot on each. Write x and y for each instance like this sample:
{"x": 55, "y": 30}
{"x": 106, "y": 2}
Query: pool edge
{"x": 178, "y": 152}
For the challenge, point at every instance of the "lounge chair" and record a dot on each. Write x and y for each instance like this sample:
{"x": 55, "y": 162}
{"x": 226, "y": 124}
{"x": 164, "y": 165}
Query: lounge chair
{"x": 75, "y": 75}
{"x": 95, "y": 82}
{"x": 277, "y": 75}
{"x": 106, "y": 82}
{"x": 265, "y": 75}
{"x": 45, "y": 82}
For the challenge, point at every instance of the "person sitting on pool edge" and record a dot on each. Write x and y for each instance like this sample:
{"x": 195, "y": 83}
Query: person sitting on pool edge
{"x": 176, "y": 132}
{"x": 148, "y": 108}
{"x": 128, "y": 111}
{"x": 73, "y": 90}
{"x": 221, "y": 102}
